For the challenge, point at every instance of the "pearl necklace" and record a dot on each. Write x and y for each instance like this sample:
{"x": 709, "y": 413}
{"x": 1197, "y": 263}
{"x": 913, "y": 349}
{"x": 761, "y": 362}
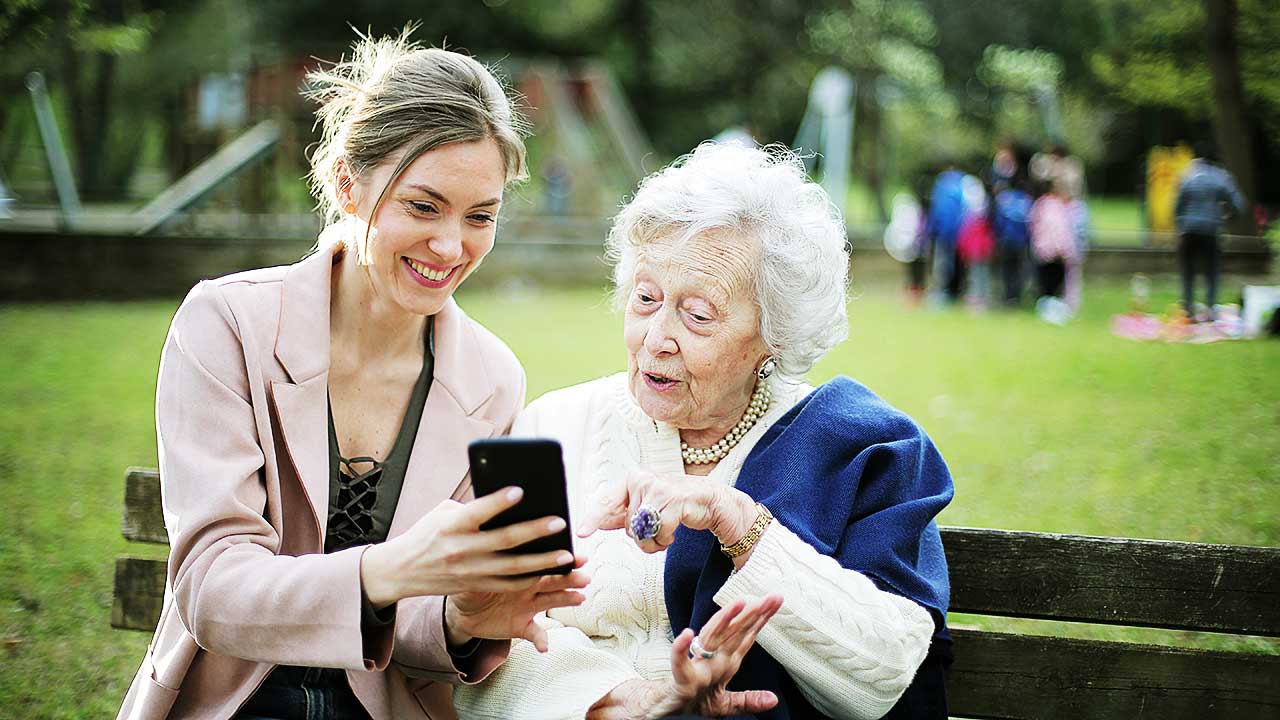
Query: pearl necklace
{"x": 755, "y": 410}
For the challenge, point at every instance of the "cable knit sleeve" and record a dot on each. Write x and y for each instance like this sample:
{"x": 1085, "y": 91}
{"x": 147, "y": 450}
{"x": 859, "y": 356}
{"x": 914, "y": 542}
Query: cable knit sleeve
{"x": 561, "y": 684}
{"x": 851, "y": 648}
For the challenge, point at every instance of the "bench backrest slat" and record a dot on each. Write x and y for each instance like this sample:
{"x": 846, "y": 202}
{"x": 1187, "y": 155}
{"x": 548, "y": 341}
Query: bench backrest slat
{"x": 1151, "y": 583}
{"x": 1001, "y": 675}
{"x": 1117, "y": 581}
{"x": 143, "y": 513}
{"x": 139, "y": 593}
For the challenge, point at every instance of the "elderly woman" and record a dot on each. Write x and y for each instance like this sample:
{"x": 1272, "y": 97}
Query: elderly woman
{"x": 790, "y": 527}
{"x": 313, "y": 423}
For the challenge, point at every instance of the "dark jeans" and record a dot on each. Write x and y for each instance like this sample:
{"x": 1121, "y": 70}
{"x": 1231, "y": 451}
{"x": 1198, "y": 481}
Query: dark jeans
{"x": 1198, "y": 252}
{"x": 304, "y": 693}
{"x": 959, "y": 271}
{"x": 1012, "y": 261}
{"x": 917, "y": 271}
{"x": 1053, "y": 278}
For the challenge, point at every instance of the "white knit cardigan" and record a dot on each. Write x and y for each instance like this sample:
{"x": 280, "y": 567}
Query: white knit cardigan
{"x": 851, "y": 648}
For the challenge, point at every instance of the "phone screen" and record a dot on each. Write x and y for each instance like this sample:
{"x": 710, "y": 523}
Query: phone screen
{"x": 537, "y": 466}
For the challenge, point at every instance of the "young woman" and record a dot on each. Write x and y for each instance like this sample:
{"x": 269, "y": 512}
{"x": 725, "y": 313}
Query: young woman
{"x": 313, "y": 423}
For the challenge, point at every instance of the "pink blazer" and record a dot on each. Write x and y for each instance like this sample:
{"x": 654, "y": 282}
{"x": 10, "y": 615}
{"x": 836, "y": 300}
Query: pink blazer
{"x": 241, "y": 415}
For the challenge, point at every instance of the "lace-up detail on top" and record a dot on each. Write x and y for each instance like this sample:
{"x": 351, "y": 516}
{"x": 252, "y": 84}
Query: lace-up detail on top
{"x": 351, "y": 517}
{"x": 364, "y": 491}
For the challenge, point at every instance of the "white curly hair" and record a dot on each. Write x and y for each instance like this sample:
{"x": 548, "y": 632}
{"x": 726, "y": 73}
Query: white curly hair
{"x": 764, "y": 196}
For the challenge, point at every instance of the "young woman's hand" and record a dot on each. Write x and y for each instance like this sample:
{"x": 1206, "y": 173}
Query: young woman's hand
{"x": 446, "y": 553}
{"x": 699, "y": 684}
{"x": 510, "y": 614}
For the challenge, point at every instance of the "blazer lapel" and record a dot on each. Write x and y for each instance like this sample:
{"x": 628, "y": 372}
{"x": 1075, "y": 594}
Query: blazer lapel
{"x": 303, "y": 412}
{"x": 438, "y": 466}
{"x": 302, "y": 347}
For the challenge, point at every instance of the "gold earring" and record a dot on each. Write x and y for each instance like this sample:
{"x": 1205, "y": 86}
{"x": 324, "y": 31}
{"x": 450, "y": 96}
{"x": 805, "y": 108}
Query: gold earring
{"x": 767, "y": 367}
{"x": 350, "y": 208}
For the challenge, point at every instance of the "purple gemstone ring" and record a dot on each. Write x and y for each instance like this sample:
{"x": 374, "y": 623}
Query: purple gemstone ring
{"x": 645, "y": 523}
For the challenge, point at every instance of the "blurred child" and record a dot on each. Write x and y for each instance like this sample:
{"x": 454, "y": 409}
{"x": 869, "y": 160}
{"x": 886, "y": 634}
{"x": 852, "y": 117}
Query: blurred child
{"x": 975, "y": 243}
{"x": 906, "y": 239}
{"x": 1079, "y": 210}
{"x": 1055, "y": 245}
{"x": 1012, "y": 225}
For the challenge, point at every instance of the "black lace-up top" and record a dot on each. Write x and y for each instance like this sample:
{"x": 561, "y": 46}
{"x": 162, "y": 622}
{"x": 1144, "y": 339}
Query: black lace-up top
{"x": 363, "y": 492}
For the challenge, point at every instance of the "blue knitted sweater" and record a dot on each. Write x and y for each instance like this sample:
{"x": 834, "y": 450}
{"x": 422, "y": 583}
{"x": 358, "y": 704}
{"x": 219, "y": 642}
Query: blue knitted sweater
{"x": 856, "y": 479}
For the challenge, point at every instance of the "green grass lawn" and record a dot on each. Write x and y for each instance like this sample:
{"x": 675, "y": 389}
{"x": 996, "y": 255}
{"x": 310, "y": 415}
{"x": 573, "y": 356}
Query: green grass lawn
{"x": 1045, "y": 428}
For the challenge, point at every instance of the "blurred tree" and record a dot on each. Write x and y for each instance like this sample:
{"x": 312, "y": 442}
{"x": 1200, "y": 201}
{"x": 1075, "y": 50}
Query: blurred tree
{"x": 967, "y": 29}
{"x": 935, "y": 77}
{"x": 1230, "y": 115}
{"x": 323, "y": 29}
{"x": 82, "y": 42}
{"x": 878, "y": 41}
{"x": 693, "y": 69}
{"x": 1212, "y": 59}
{"x": 1033, "y": 78}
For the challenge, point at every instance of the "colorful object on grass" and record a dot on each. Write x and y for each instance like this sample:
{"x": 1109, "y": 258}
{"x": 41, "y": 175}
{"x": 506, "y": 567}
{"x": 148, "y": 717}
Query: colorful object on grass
{"x": 1176, "y": 326}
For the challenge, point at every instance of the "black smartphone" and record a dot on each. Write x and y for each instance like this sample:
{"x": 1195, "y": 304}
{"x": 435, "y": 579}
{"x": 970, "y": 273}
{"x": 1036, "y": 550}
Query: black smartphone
{"x": 537, "y": 466}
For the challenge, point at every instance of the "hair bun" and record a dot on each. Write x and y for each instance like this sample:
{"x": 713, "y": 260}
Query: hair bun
{"x": 391, "y": 93}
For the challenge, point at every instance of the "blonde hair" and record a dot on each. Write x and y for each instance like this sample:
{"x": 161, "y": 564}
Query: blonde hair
{"x": 393, "y": 94}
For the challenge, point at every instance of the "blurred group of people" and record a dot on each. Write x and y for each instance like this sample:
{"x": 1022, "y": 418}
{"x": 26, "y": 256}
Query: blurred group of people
{"x": 1022, "y": 217}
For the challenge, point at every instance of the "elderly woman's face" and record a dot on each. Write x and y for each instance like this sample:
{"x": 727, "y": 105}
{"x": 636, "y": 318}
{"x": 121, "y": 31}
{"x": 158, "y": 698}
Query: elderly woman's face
{"x": 692, "y": 330}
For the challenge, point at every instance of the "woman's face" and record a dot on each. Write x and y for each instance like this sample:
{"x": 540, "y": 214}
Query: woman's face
{"x": 692, "y": 331}
{"x": 436, "y": 223}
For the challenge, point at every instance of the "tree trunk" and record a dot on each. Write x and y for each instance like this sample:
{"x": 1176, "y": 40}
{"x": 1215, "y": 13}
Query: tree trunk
{"x": 14, "y": 130}
{"x": 867, "y": 128}
{"x": 87, "y": 78}
{"x": 1231, "y": 126}
{"x": 73, "y": 110}
{"x": 635, "y": 20}
{"x": 98, "y": 117}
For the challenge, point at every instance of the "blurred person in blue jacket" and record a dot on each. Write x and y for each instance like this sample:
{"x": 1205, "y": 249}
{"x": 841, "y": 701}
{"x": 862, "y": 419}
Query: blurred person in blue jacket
{"x": 1206, "y": 194}
{"x": 1012, "y": 224}
{"x": 946, "y": 215}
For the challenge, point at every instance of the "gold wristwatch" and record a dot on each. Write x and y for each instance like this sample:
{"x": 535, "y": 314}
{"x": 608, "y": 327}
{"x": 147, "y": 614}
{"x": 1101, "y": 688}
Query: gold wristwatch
{"x": 749, "y": 540}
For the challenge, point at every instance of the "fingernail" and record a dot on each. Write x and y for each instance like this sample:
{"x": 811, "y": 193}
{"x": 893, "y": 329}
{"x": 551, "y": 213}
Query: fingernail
{"x": 556, "y": 524}
{"x": 514, "y": 493}
{"x": 564, "y": 558}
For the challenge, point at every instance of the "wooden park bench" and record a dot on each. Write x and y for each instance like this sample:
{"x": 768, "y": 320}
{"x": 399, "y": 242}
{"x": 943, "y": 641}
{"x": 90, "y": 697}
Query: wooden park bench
{"x": 1116, "y": 581}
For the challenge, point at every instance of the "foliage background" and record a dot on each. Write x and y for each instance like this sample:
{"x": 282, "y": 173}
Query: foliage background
{"x": 937, "y": 78}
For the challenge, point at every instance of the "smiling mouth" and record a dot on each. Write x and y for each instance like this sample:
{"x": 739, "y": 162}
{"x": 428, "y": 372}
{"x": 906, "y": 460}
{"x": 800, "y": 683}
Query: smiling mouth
{"x": 427, "y": 272}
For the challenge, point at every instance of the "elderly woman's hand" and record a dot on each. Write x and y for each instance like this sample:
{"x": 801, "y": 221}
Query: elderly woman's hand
{"x": 680, "y": 500}
{"x": 699, "y": 683}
